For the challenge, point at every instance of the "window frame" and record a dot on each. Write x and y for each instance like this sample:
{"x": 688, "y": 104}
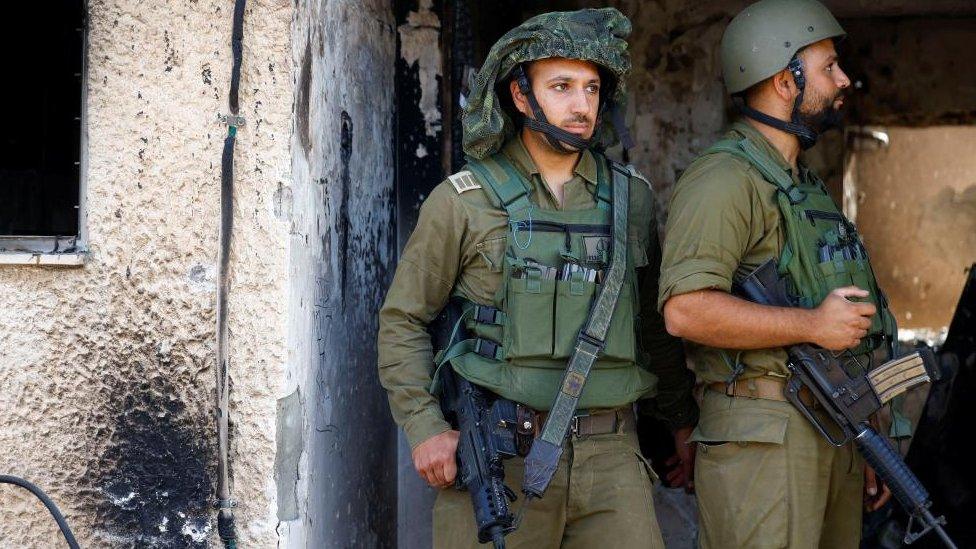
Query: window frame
{"x": 68, "y": 250}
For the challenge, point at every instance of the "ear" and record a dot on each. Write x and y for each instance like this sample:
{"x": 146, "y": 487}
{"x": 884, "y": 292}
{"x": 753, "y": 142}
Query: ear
{"x": 784, "y": 85}
{"x": 521, "y": 103}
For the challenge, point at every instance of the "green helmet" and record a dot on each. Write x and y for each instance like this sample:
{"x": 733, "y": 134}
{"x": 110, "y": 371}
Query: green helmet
{"x": 596, "y": 35}
{"x": 763, "y": 38}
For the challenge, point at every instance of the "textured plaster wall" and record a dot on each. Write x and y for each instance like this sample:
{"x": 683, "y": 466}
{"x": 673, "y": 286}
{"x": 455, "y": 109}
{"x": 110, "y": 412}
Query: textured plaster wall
{"x": 107, "y": 371}
{"x": 342, "y": 248}
{"x": 917, "y": 213}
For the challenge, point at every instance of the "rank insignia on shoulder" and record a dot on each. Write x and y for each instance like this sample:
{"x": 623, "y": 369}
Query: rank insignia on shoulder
{"x": 464, "y": 181}
{"x": 634, "y": 173}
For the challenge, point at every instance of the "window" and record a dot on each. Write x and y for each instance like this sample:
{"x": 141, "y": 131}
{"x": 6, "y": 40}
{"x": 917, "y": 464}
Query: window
{"x": 41, "y": 146}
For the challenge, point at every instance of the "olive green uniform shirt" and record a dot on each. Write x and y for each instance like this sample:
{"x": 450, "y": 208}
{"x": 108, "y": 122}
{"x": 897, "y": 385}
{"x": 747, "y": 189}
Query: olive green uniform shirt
{"x": 723, "y": 223}
{"x": 458, "y": 246}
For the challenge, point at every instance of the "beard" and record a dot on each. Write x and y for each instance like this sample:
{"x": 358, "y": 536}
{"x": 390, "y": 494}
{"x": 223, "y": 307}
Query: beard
{"x": 567, "y": 148}
{"x": 818, "y": 113}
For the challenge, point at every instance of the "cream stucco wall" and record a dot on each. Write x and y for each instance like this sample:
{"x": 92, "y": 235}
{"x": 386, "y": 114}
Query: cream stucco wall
{"x": 107, "y": 371}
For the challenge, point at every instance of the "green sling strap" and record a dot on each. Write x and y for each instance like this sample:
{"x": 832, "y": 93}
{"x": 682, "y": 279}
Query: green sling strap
{"x": 543, "y": 458}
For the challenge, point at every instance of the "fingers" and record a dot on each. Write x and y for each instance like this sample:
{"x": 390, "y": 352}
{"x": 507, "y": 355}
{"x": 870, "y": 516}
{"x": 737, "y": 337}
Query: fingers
{"x": 870, "y": 482}
{"x": 883, "y": 498}
{"x": 675, "y": 477}
{"x": 865, "y": 309}
{"x": 450, "y": 471}
{"x": 850, "y": 291}
{"x": 876, "y": 493}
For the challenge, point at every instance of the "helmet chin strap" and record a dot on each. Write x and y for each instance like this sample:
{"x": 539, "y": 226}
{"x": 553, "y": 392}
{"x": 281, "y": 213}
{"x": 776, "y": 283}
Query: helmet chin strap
{"x": 807, "y": 135}
{"x": 556, "y": 136}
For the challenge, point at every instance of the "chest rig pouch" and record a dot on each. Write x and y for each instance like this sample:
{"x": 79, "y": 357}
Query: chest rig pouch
{"x": 823, "y": 250}
{"x": 555, "y": 264}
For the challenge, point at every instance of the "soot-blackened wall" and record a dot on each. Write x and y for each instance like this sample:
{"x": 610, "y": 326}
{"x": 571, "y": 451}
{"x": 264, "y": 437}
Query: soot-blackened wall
{"x": 342, "y": 251}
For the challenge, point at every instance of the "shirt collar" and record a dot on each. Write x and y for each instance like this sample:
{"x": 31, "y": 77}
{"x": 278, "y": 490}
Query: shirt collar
{"x": 748, "y": 131}
{"x": 515, "y": 150}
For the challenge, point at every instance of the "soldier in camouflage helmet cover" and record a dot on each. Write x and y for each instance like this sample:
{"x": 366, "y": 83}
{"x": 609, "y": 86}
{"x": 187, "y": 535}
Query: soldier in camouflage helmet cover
{"x": 536, "y": 119}
{"x": 595, "y": 35}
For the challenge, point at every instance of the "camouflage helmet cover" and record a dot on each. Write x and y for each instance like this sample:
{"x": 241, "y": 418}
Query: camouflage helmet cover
{"x": 596, "y": 35}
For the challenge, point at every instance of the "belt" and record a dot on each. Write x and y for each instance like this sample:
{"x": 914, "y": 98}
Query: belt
{"x": 584, "y": 424}
{"x": 764, "y": 388}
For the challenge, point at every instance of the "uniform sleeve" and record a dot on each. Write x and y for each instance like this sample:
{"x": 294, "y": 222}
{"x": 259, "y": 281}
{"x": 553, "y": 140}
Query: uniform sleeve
{"x": 421, "y": 287}
{"x": 662, "y": 353}
{"x": 708, "y": 228}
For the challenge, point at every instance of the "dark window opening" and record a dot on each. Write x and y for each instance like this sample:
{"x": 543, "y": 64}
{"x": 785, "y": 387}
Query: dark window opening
{"x": 40, "y": 151}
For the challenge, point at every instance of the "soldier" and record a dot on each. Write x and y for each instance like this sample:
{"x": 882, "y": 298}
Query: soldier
{"x": 522, "y": 237}
{"x": 764, "y": 476}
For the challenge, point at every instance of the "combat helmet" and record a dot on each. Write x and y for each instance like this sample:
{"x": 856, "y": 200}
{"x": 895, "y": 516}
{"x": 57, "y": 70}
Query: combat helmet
{"x": 764, "y": 39}
{"x": 595, "y": 35}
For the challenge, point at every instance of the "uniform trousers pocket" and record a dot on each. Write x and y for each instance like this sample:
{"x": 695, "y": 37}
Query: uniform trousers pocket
{"x": 742, "y": 495}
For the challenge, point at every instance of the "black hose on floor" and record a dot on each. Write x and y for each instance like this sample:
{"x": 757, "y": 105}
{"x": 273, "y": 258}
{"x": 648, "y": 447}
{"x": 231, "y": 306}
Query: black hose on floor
{"x": 55, "y": 512}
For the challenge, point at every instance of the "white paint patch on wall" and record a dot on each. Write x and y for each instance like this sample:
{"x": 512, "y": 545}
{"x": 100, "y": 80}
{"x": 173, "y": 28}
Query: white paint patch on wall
{"x": 419, "y": 45}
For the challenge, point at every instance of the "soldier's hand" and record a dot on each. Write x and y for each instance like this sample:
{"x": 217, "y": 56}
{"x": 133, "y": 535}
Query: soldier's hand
{"x": 840, "y": 323}
{"x": 435, "y": 459}
{"x": 876, "y": 492}
{"x": 682, "y": 462}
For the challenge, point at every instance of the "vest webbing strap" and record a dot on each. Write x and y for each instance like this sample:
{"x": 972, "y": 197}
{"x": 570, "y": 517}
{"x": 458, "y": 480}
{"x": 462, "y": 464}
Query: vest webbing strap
{"x": 602, "y": 194}
{"x": 513, "y": 192}
{"x": 543, "y": 458}
{"x": 771, "y": 172}
{"x": 498, "y": 174}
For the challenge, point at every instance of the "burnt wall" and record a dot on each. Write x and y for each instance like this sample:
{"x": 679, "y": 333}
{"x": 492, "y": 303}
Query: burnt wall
{"x": 107, "y": 370}
{"x": 911, "y": 71}
{"x": 337, "y": 484}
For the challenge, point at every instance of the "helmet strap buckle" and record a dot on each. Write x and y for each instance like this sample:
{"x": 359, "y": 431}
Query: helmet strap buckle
{"x": 805, "y": 134}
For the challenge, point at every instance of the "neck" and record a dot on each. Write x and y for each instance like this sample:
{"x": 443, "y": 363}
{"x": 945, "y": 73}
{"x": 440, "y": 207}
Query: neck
{"x": 555, "y": 167}
{"x": 786, "y": 143}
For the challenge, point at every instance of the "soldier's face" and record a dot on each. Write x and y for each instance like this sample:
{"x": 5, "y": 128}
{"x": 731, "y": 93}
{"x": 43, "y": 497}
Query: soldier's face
{"x": 825, "y": 85}
{"x": 568, "y": 90}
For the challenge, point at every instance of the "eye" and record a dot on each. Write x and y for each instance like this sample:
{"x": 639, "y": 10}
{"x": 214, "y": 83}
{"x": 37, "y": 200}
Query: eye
{"x": 593, "y": 88}
{"x": 560, "y": 87}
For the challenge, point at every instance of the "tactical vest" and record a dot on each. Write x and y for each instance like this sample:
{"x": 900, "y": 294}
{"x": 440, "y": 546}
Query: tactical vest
{"x": 553, "y": 268}
{"x": 823, "y": 250}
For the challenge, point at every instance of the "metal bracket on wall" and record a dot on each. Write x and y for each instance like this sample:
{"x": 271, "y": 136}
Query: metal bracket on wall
{"x": 867, "y": 138}
{"x": 232, "y": 120}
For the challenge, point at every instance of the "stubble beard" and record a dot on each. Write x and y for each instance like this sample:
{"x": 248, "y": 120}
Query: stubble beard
{"x": 818, "y": 113}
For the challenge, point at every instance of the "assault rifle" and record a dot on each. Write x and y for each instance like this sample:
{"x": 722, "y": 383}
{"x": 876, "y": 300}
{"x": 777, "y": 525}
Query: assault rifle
{"x": 487, "y": 426}
{"x": 849, "y": 401}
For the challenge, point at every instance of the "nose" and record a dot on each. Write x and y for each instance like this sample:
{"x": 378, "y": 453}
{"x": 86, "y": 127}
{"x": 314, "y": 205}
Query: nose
{"x": 841, "y": 79}
{"x": 581, "y": 103}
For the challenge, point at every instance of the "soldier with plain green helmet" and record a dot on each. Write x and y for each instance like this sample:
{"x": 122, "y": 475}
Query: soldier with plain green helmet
{"x": 524, "y": 237}
{"x": 764, "y": 476}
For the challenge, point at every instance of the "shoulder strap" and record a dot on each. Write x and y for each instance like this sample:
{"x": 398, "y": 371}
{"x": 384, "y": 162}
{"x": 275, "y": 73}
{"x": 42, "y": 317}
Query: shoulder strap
{"x": 771, "y": 172}
{"x": 505, "y": 182}
{"x": 543, "y": 458}
{"x": 603, "y": 196}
